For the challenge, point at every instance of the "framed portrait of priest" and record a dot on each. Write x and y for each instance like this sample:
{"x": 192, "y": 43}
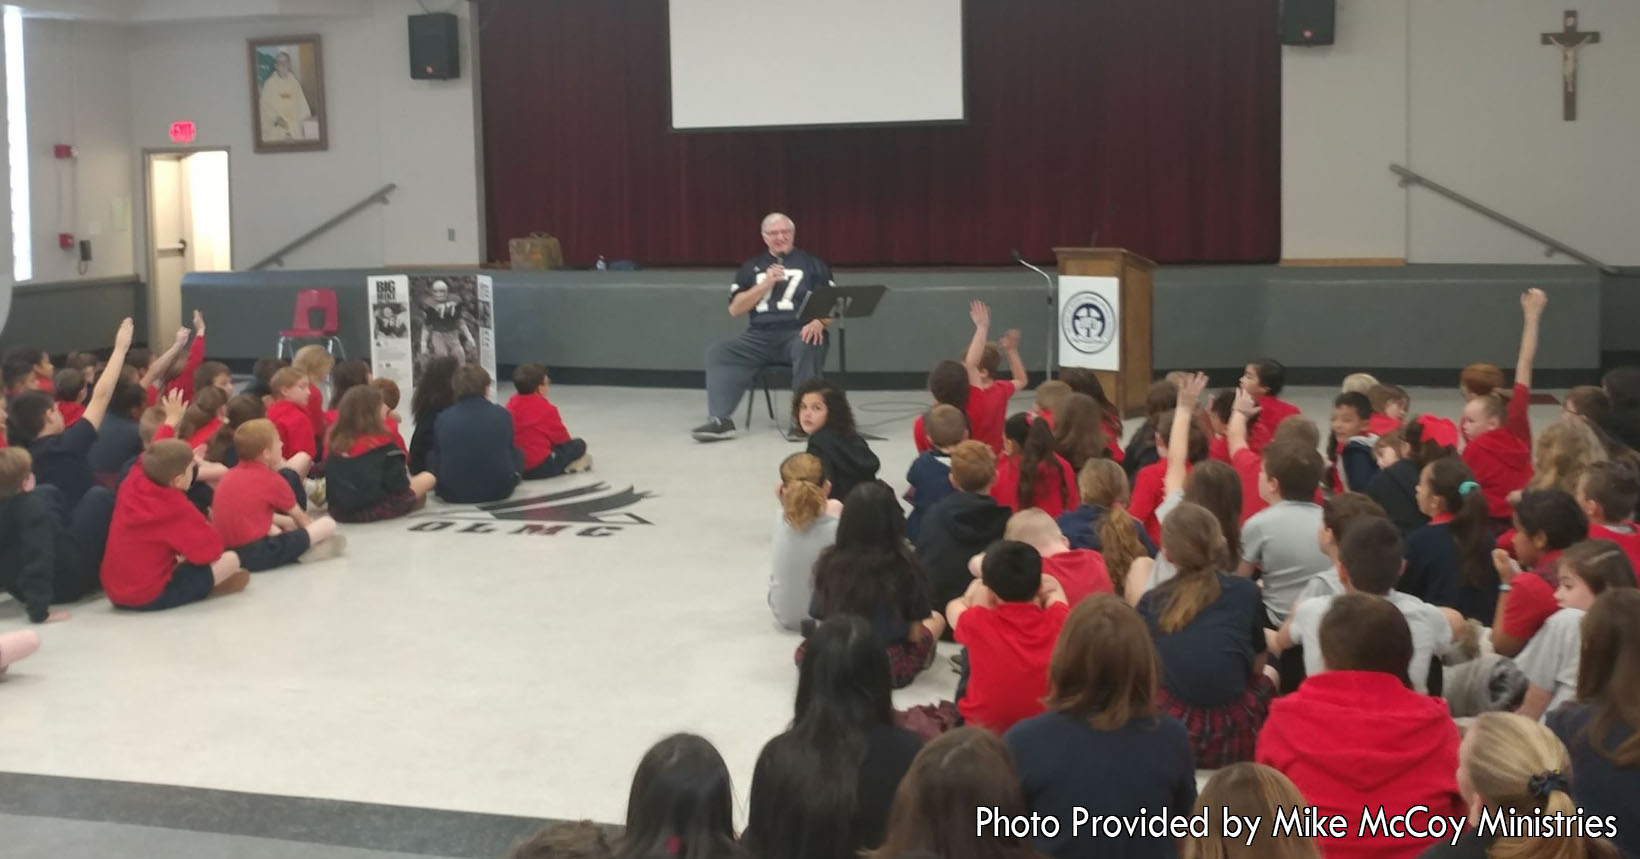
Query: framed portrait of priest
{"x": 288, "y": 95}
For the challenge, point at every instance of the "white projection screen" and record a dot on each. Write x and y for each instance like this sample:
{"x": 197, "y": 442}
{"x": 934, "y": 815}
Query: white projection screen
{"x": 785, "y": 63}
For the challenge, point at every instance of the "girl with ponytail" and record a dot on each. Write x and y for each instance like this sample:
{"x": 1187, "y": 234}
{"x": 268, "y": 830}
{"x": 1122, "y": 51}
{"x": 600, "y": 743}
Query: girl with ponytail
{"x": 1449, "y": 560}
{"x": 202, "y": 417}
{"x": 1601, "y": 728}
{"x": 807, "y": 524}
{"x": 1102, "y": 522}
{"x": 1512, "y": 767}
{"x": 1029, "y": 472}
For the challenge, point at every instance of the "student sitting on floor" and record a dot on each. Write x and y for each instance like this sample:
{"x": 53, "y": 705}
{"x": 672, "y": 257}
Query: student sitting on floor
{"x": 1449, "y": 561}
{"x": 1502, "y": 463}
{"x": 69, "y": 389}
{"x": 289, "y": 413}
{"x": 871, "y": 572}
{"x": 1208, "y": 627}
{"x": 390, "y": 396}
{"x": 1607, "y": 492}
{"x": 1390, "y": 405}
{"x": 539, "y": 431}
{"x": 1280, "y": 541}
{"x": 681, "y": 804}
{"x": 365, "y": 476}
{"x": 40, "y": 372}
{"x": 200, "y": 420}
{"x": 806, "y": 526}
{"x": 154, "y": 525}
{"x": 433, "y": 394}
{"x": 578, "y": 839}
{"x": 1480, "y": 380}
{"x": 1050, "y": 401}
{"x": 1029, "y": 473}
{"x": 822, "y": 411}
{"x": 262, "y": 376}
{"x": 948, "y": 384}
{"x": 1251, "y": 792}
{"x": 1008, "y": 620}
{"x": 60, "y": 452}
{"x": 1550, "y": 659}
{"x": 1086, "y": 382}
{"x": 1358, "y": 736}
{"x": 1148, "y": 485}
{"x": 1263, "y": 380}
{"x": 49, "y": 553}
{"x": 1547, "y": 523}
{"x": 929, "y": 477}
{"x": 1141, "y": 447}
{"x": 1102, "y": 522}
{"x": 1402, "y": 455}
{"x": 962, "y": 524}
{"x": 987, "y": 396}
{"x": 1079, "y": 431}
{"x": 257, "y": 490}
{"x": 119, "y": 440}
{"x": 477, "y": 460}
{"x": 315, "y": 364}
{"x": 1080, "y": 572}
{"x": 1352, "y": 459}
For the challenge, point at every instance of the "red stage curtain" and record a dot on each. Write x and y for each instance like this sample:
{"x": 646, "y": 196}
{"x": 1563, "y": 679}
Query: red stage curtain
{"x": 1155, "y": 123}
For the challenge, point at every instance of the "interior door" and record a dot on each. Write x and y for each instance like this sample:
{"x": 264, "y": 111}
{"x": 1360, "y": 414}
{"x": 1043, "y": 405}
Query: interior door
{"x": 168, "y": 247}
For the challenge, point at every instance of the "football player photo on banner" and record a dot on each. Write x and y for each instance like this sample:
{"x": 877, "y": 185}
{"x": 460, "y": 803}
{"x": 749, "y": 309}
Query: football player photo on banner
{"x": 1090, "y": 329}
{"x": 390, "y": 353}
{"x": 451, "y": 316}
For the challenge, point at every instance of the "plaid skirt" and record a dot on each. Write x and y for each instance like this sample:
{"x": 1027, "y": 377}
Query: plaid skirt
{"x": 392, "y": 506}
{"x": 1220, "y": 736}
{"x": 906, "y": 659}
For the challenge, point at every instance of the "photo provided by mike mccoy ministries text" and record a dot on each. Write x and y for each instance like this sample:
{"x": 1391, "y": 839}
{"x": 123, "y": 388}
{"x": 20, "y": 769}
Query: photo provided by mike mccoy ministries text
{"x": 1295, "y": 821}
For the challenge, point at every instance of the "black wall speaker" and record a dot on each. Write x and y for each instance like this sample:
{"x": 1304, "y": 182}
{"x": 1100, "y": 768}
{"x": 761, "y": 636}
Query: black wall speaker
{"x": 1307, "y": 22}
{"x": 435, "y": 47}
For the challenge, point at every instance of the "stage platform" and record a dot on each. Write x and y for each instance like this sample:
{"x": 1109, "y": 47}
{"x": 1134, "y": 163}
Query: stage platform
{"x": 1416, "y": 323}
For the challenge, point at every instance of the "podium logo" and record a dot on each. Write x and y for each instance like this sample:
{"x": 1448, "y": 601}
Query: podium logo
{"x": 1088, "y": 322}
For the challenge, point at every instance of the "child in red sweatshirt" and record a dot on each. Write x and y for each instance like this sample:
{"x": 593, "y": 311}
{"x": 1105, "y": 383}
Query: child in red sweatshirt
{"x": 155, "y": 524}
{"x": 289, "y": 413}
{"x": 1608, "y": 492}
{"x": 1500, "y": 459}
{"x": 1264, "y": 379}
{"x": 539, "y": 431}
{"x": 257, "y": 490}
{"x": 1029, "y": 472}
{"x": 1357, "y": 737}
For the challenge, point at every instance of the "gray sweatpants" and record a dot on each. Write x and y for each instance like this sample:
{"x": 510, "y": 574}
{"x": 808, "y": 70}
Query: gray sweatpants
{"x": 731, "y": 364}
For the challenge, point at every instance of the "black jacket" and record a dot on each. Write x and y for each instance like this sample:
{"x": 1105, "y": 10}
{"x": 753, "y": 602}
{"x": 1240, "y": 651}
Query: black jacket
{"x": 38, "y": 556}
{"x": 422, "y": 442}
{"x": 848, "y": 460}
{"x": 360, "y": 482}
{"x": 1396, "y": 490}
{"x": 960, "y": 526}
{"x": 474, "y": 455}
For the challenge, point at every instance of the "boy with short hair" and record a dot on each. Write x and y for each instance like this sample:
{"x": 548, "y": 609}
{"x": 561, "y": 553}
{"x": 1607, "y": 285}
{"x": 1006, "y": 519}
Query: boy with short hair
{"x": 1280, "y": 541}
{"x": 213, "y": 374}
{"x": 1264, "y": 380}
{"x": 289, "y": 414}
{"x": 1050, "y": 397}
{"x": 1607, "y": 492}
{"x": 1080, "y": 572}
{"x": 1354, "y": 461}
{"x": 988, "y": 397}
{"x": 1009, "y": 621}
{"x": 1370, "y": 561}
{"x": 476, "y": 460}
{"x": 256, "y": 490}
{"x": 69, "y": 389}
{"x": 962, "y": 524}
{"x": 154, "y": 525}
{"x": 1547, "y": 522}
{"x": 39, "y": 364}
{"x": 1247, "y": 462}
{"x": 930, "y": 473}
{"x": 1390, "y": 404}
{"x": 547, "y": 447}
{"x": 1499, "y": 459}
{"x": 49, "y": 553}
{"x": 1356, "y": 736}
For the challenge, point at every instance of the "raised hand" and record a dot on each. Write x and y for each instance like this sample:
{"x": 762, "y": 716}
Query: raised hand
{"x": 1245, "y": 403}
{"x": 174, "y": 407}
{"x": 122, "y": 338}
{"x": 1010, "y": 340}
{"x": 181, "y": 338}
{"x": 199, "y": 323}
{"x": 980, "y": 313}
{"x": 1190, "y": 393}
{"x": 1532, "y": 302}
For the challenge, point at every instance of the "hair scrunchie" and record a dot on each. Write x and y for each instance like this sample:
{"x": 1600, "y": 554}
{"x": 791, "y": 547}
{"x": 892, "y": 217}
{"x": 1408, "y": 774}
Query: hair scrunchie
{"x": 1467, "y": 487}
{"x": 1545, "y": 783}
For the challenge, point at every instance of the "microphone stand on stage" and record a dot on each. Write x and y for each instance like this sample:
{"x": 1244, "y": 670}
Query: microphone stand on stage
{"x": 1053, "y": 316}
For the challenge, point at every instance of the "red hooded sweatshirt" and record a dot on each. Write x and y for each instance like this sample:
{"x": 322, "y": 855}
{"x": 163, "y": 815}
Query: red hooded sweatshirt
{"x": 537, "y": 427}
{"x": 152, "y": 525}
{"x": 1502, "y": 463}
{"x": 296, "y": 432}
{"x": 1627, "y": 539}
{"x": 1351, "y": 740}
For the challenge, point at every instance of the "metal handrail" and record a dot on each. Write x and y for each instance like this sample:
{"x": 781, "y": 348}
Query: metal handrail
{"x": 380, "y": 195}
{"x": 1551, "y": 245}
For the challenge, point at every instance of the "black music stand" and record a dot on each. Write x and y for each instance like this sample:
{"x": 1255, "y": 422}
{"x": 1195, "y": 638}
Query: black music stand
{"x": 842, "y": 303}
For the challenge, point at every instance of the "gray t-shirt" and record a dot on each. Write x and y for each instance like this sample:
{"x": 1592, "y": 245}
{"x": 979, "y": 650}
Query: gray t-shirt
{"x": 1550, "y": 659}
{"x": 791, "y": 579}
{"x": 1431, "y": 634}
{"x": 1283, "y": 541}
{"x": 1163, "y": 569}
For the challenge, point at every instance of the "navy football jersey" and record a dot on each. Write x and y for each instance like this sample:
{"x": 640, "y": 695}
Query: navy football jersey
{"x": 781, "y": 306}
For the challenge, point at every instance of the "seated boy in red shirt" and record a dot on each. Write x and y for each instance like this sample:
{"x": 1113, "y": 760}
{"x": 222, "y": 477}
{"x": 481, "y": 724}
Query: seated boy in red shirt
{"x": 161, "y": 552}
{"x": 1607, "y": 492}
{"x": 1547, "y": 522}
{"x": 1358, "y": 737}
{"x": 1080, "y": 572}
{"x": 257, "y": 490}
{"x": 1264, "y": 379}
{"x": 1500, "y": 460}
{"x": 70, "y": 389}
{"x": 539, "y": 431}
{"x": 1009, "y": 620}
{"x": 987, "y": 397}
{"x": 289, "y": 413}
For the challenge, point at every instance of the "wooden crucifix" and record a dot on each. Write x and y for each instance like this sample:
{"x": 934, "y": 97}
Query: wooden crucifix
{"x": 1569, "y": 40}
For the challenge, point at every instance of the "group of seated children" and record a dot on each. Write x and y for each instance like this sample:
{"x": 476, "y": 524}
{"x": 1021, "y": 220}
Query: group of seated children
{"x": 153, "y": 481}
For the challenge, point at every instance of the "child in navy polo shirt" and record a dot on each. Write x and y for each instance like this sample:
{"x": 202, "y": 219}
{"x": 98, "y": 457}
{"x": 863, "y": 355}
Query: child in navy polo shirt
{"x": 930, "y": 473}
{"x": 60, "y": 452}
{"x": 476, "y": 460}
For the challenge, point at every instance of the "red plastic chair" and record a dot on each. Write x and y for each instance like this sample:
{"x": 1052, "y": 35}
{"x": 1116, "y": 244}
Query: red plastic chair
{"x": 302, "y": 328}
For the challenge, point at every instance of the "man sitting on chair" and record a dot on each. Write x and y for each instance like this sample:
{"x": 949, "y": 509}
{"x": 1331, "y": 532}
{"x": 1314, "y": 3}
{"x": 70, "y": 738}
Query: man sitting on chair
{"x": 772, "y": 287}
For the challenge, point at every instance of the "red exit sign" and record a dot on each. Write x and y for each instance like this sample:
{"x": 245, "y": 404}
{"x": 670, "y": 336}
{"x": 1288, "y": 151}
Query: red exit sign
{"x": 183, "y": 132}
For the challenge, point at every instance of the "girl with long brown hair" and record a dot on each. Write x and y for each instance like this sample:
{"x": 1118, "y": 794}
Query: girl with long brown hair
{"x": 950, "y": 779}
{"x": 1248, "y": 790}
{"x": 365, "y": 474}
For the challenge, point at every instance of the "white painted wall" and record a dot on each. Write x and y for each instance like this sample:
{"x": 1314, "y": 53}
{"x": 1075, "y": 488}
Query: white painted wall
{"x": 1461, "y": 91}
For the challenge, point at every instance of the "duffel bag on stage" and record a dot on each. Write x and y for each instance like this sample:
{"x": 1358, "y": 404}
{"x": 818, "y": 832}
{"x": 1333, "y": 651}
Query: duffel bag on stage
{"x": 535, "y": 252}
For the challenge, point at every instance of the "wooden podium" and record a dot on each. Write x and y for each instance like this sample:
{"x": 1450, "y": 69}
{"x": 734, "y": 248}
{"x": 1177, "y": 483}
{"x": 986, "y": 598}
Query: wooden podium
{"x": 1127, "y": 383}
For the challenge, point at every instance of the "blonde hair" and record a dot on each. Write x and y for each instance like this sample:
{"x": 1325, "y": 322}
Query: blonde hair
{"x": 1050, "y": 395}
{"x": 1103, "y": 484}
{"x": 284, "y": 380}
{"x": 1517, "y": 764}
{"x": 802, "y": 489}
{"x": 313, "y": 362}
{"x": 1561, "y": 454}
{"x": 15, "y": 465}
{"x": 1359, "y": 383}
{"x": 1249, "y": 790}
{"x": 254, "y": 438}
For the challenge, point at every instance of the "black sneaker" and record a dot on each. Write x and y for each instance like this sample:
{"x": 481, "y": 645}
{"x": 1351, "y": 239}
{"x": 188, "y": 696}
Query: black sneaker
{"x": 716, "y": 429}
